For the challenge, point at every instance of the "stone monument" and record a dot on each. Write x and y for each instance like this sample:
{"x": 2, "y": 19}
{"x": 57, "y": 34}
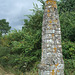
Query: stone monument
{"x": 52, "y": 59}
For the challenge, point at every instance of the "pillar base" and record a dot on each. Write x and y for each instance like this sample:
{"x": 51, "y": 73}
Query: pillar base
{"x": 57, "y": 69}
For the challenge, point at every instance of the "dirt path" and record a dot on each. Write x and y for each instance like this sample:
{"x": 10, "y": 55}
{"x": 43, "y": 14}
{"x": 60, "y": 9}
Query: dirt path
{"x": 2, "y": 72}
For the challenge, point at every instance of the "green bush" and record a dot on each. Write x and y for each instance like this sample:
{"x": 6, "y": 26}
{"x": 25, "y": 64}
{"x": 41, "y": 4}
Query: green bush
{"x": 4, "y": 53}
{"x": 20, "y": 54}
{"x": 68, "y": 50}
{"x": 67, "y": 21}
{"x": 0, "y": 34}
{"x": 69, "y": 66}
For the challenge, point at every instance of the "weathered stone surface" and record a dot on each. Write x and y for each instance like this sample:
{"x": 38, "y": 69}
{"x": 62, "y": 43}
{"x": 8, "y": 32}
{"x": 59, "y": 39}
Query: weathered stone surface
{"x": 52, "y": 59}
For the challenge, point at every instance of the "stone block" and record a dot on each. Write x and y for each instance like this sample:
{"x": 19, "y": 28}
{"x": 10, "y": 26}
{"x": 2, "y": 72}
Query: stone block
{"x": 57, "y": 32}
{"x": 50, "y": 31}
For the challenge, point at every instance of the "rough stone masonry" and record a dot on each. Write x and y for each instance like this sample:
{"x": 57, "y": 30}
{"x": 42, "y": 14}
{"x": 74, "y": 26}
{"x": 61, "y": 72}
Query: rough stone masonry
{"x": 52, "y": 59}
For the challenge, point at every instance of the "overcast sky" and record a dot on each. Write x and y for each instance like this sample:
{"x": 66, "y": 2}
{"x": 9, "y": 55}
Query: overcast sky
{"x": 14, "y": 10}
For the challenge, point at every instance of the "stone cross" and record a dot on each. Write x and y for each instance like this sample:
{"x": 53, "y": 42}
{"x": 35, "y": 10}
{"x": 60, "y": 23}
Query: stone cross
{"x": 52, "y": 59}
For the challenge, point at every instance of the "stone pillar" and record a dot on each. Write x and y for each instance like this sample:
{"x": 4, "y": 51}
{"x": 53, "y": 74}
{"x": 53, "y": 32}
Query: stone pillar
{"x": 52, "y": 59}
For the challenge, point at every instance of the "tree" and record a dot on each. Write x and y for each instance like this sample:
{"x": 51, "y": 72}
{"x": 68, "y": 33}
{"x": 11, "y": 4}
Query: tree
{"x": 4, "y": 26}
{"x": 66, "y": 5}
{"x": 67, "y": 21}
{"x": 0, "y": 34}
{"x": 66, "y": 10}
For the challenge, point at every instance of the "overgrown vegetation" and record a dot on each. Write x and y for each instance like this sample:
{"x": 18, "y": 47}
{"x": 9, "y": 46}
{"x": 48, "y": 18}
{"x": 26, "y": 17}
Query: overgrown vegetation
{"x": 4, "y": 26}
{"x": 21, "y": 50}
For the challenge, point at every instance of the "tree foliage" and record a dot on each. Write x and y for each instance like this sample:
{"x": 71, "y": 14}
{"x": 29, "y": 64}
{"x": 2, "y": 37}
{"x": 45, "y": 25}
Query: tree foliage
{"x": 4, "y": 26}
{"x": 66, "y": 5}
{"x": 67, "y": 21}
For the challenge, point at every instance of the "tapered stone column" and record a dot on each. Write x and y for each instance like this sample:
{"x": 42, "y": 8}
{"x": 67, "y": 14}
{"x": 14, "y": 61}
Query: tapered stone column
{"x": 52, "y": 59}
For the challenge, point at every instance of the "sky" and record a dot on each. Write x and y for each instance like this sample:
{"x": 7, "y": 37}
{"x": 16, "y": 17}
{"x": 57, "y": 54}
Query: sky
{"x": 14, "y": 10}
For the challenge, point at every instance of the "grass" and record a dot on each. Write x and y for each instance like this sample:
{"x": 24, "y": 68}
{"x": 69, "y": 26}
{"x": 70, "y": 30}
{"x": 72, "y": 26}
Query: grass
{"x": 10, "y": 71}
{"x": 32, "y": 73}
{"x": 3, "y": 72}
